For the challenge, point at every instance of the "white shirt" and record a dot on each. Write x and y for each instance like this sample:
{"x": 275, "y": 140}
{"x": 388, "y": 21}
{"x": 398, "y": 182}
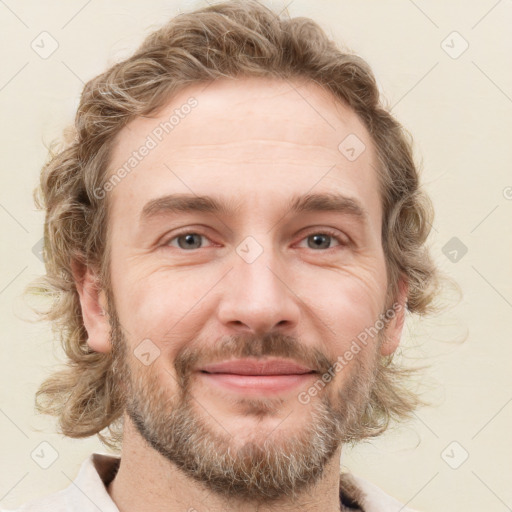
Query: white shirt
{"x": 88, "y": 492}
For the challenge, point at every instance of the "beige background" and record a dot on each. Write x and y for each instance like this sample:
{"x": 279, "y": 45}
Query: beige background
{"x": 459, "y": 112}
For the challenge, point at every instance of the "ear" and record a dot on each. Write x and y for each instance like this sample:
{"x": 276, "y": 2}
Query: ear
{"x": 396, "y": 322}
{"x": 94, "y": 304}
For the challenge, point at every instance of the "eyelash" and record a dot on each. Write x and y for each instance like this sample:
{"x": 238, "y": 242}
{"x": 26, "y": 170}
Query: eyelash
{"x": 343, "y": 242}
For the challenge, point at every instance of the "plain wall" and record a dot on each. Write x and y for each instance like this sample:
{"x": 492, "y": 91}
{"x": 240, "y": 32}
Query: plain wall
{"x": 459, "y": 113}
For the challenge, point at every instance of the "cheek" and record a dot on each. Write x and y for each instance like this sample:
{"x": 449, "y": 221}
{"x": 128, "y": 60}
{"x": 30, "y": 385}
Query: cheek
{"x": 345, "y": 305}
{"x": 163, "y": 306}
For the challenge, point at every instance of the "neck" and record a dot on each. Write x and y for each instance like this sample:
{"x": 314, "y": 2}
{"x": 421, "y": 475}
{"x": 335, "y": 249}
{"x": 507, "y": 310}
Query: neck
{"x": 148, "y": 481}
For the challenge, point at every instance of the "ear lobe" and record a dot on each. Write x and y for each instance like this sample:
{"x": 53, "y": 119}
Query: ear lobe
{"x": 93, "y": 304}
{"x": 393, "y": 331}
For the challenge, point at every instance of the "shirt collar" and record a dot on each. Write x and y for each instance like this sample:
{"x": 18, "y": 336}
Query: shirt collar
{"x": 88, "y": 492}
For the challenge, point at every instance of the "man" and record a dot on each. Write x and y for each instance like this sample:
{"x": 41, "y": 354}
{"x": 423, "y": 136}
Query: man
{"x": 234, "y": 235}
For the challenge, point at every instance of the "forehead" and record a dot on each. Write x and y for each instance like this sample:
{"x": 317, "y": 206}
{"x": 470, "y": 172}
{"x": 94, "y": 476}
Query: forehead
{"x": 258, "y": 138}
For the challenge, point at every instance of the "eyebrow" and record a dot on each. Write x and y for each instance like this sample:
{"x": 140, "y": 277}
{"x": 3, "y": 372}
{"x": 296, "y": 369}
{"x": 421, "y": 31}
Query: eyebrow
{"x": 187, "y": 203}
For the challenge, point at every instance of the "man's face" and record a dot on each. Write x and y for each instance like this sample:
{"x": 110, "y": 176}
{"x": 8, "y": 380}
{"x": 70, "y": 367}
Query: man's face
{"x": 256, "y": 281}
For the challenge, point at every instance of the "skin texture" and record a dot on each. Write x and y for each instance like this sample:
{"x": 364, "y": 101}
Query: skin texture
{"x": 254, "y": 143}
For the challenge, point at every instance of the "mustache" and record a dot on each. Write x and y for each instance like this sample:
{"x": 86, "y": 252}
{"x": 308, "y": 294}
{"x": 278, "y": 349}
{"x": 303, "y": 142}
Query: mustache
{"x": 249, "y": 345}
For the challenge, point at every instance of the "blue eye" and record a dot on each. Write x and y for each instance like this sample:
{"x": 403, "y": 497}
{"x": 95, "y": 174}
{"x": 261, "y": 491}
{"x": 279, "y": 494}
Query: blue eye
{"x": 322, "y": 240}
{"x": 188, "y": 240}
{"x": 317, "y": 240}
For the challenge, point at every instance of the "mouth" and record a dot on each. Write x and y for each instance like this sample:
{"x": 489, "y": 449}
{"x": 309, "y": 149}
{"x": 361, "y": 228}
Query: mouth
{"x": 255, "y": 377}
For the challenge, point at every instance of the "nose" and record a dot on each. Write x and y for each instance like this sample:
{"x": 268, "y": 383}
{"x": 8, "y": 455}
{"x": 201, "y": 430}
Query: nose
{"x": 258, "y": 297}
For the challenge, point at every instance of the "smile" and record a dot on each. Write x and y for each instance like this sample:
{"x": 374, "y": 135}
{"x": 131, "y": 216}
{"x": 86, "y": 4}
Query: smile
{"x": 251, "y": 376}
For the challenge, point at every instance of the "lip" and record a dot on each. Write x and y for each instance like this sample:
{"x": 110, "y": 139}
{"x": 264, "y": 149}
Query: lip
{"x": 260, "y": 367}
{"x": 256, "y": 377}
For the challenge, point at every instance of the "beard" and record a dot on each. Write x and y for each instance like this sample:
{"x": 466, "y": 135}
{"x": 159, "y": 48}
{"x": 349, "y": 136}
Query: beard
{"x": 282, "y": 464}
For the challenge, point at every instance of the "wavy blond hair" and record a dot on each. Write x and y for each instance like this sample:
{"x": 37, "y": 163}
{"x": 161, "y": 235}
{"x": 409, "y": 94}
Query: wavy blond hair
{"x": 226, "y": 40}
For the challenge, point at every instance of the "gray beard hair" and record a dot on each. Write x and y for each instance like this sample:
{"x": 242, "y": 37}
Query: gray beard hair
{"x": 258, "y": 471}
